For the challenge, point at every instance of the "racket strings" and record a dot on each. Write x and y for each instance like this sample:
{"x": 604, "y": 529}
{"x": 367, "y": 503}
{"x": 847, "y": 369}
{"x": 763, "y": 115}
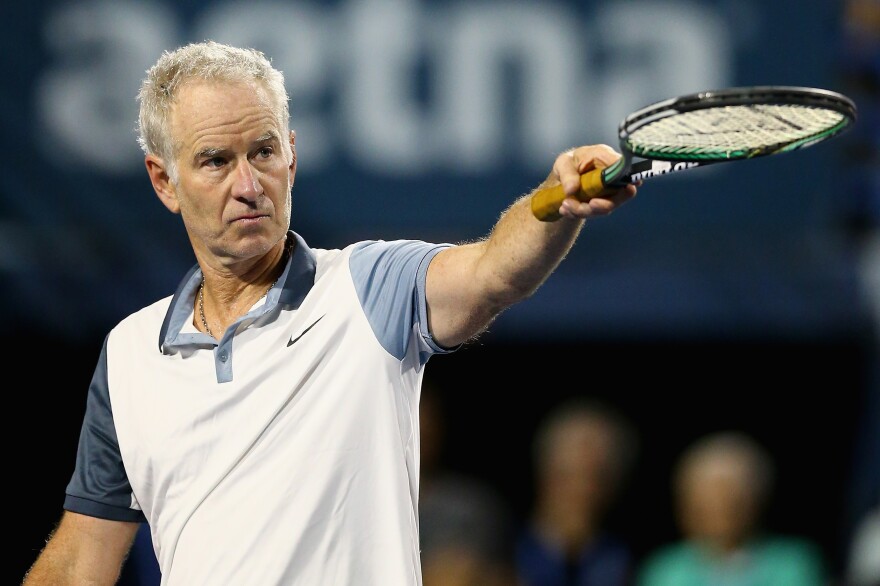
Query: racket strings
{"x": 733, "y": 131}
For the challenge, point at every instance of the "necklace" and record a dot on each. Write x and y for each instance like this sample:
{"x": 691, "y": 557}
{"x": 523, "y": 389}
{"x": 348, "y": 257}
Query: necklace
{"x": 202, "y": 303}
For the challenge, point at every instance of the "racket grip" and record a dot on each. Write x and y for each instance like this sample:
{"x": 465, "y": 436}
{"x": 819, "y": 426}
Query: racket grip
{"x": 545, "y": 202}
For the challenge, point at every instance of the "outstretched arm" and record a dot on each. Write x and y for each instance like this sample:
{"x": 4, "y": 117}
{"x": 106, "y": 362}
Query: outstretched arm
{"x": 470, "y": 284}
{"x": 83, "y": 550}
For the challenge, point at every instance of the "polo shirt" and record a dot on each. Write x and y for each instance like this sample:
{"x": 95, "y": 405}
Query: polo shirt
{"x": 287, "y": 452}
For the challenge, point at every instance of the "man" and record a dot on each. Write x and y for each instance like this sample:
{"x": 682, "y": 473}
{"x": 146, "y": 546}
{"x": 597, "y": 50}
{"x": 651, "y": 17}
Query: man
{"x": 584, "y": 451}
{"x": 264, "y": 419}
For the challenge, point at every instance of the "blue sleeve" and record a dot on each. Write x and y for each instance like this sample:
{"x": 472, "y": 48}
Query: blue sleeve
{"x": 390, "y": 281}
{"x": 99, "y": 486}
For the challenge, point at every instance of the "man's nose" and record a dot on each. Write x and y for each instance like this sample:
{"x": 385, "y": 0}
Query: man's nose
{"x": 247, "y": 181}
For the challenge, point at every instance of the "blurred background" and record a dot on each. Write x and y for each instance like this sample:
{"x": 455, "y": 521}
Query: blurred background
{"x": 740, "y": 297}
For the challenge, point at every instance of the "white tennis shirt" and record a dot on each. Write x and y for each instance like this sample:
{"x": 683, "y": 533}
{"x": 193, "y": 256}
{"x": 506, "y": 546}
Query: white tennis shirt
{"x": 287, "y": 453}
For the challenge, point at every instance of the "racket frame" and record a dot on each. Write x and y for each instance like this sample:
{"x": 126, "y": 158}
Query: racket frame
{"x": 545, "y": 202}
{"x": 625, "y": 171}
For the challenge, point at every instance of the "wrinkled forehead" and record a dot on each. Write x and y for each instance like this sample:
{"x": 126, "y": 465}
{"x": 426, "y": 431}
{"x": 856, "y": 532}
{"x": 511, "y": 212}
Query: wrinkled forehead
{"x": 223, "y": 110}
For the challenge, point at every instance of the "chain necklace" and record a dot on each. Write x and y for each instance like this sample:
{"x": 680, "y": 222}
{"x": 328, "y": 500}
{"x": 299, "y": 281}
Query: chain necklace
{"x": 202, "y": 303}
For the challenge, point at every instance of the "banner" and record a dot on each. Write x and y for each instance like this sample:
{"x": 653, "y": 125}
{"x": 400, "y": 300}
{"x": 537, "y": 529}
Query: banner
{"x": 419, "y": 119}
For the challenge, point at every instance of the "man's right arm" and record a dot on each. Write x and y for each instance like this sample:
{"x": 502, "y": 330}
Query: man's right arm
{"x": 83, "y": 550}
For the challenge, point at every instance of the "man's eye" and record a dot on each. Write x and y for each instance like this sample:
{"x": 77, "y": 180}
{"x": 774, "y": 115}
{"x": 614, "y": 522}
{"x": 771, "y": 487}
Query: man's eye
{"x": 265, "y": 152}
{"x": 215, "y": 162}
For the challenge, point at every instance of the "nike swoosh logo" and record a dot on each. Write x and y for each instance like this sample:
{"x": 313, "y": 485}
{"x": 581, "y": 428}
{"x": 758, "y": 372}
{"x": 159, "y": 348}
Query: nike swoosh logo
{"x": 304, "y": 332}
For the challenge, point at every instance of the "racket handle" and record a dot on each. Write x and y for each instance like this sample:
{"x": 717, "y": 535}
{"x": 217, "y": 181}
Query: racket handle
{"x": 546, "y": 201}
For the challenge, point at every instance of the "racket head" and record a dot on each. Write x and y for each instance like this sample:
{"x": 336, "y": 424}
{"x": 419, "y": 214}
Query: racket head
{"x": 736, "y": 123}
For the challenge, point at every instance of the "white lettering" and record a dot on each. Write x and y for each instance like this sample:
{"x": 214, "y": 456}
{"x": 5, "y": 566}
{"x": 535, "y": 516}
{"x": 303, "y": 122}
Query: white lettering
{"x": 86, "y": 99}
{"x": 669, "y": 48}
{"x": 396, "y": 86}
{"x": 386, "y": 120}
{"x": 662, "y": 168}
{"x": 490, "y": 117}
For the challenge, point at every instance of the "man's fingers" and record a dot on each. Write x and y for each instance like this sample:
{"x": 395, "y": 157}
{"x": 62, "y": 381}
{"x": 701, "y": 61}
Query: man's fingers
{"x": 593, "y": 156}
{"x": 570, "y": 165}
{"x": 597, "y": 206}
{"x": 567, "y": 171}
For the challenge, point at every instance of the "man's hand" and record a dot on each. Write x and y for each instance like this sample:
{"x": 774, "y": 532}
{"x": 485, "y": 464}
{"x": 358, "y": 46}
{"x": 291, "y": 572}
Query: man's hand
{"x": 568, "y": 168}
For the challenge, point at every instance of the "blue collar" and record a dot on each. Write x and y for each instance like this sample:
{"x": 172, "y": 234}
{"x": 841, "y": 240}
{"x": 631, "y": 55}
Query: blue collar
{"x": 295, "y": 282}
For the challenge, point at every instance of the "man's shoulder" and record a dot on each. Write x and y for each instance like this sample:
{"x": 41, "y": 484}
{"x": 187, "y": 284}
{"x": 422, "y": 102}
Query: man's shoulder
{"x": 369, "y": 252}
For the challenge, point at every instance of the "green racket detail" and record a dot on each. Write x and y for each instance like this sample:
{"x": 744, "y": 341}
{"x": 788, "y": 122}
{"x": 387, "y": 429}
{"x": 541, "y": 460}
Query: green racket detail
{"x": 710, "y": 127}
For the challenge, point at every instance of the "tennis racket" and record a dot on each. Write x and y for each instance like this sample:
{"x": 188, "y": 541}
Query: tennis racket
{"x": 709, "y": 127}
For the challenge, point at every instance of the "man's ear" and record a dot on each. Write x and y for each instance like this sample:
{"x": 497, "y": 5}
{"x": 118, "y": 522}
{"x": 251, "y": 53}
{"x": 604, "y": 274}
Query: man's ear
{"x": 292, "y": 166}
{"x": 162, "y": 184}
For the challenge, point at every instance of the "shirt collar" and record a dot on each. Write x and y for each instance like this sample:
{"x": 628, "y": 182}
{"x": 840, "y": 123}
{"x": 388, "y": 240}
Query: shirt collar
{"x": 293, "y": 285}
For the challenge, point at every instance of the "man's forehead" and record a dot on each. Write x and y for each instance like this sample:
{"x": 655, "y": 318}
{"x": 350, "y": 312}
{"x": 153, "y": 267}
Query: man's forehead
{"x": 214, "y": 114}
{"x": 195, "y": 96}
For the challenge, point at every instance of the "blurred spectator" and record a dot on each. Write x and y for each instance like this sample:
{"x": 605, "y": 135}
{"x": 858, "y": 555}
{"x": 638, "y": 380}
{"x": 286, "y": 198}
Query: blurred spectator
{"x": 465, "y": 526}
{"x": 722, "y": 484}
{"x": 863, "y": 565}
{"x": 583, "y": 451}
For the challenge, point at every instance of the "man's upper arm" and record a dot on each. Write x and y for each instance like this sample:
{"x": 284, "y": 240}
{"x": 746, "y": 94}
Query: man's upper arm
{"x": 460, "y": 305}
{"x": 99, "y": 486}
{"x": 83, "y": 550}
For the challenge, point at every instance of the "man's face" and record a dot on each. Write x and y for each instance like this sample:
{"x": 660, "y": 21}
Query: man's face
{"x": 234, "y": 169}
{"x": 578, "y": 469}
{"x": 718, "y": 502}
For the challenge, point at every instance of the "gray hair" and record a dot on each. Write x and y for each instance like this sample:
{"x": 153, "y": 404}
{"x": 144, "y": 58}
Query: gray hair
{"x": 207, "y": 60}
